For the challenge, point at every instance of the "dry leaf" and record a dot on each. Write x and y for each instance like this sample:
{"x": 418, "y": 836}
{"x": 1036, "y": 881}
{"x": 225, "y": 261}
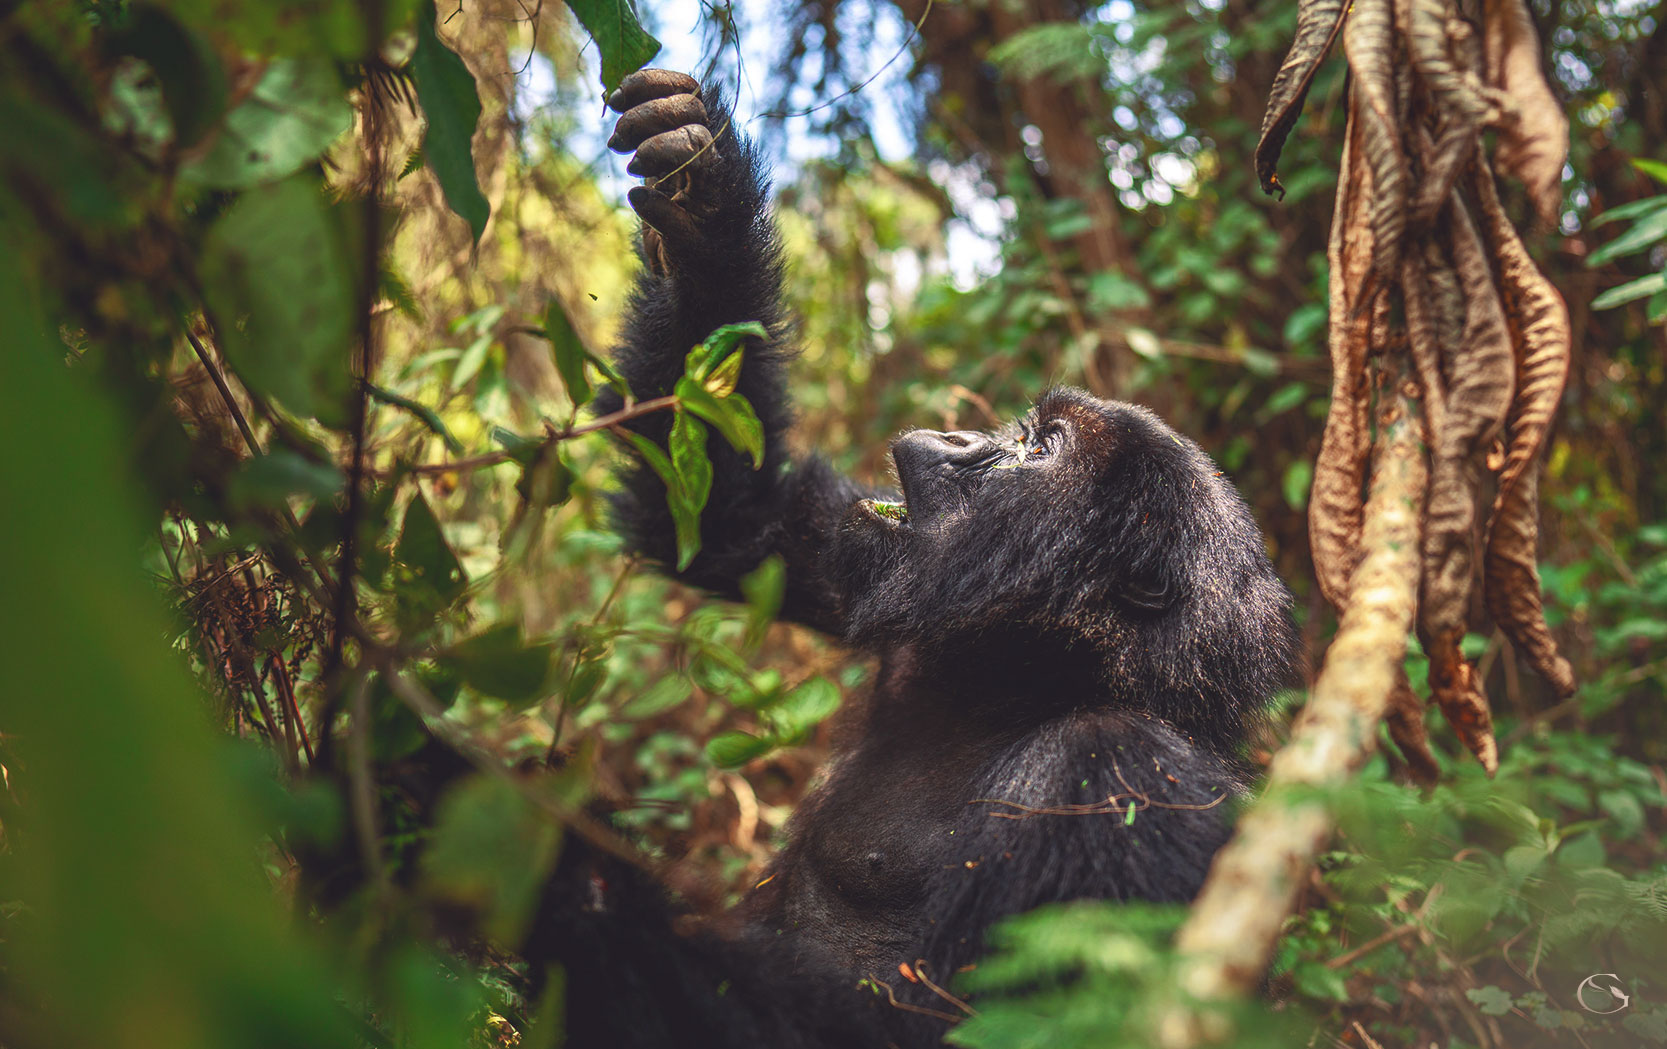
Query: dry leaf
{"x": 1369, "y": 44}
{"x": 1540, "y": 323}
{"x": 1407, "y": 731}
{"x": 1534, "y": 132}
{"x": 1334, "y": 503}
{"x": 1459, "y": 694}
{"x": 1317, "y": 24}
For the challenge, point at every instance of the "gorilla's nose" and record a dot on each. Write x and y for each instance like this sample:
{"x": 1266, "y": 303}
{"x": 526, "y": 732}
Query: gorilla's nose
{"x": 920, "y": 450}
{"x": 934, "y": 470}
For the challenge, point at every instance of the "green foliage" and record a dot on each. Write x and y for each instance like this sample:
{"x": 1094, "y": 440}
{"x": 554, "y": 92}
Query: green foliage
{"x": 624, "y": 44}
{"x": 447, "y": 91}
{"x": 1648, "y": 231}
{"x": 294, "y": 113}
{"x": 277, "y": 278}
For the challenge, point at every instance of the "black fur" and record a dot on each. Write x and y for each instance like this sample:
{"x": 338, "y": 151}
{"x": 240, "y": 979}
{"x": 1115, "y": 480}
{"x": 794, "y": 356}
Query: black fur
{"x": 1076, "y": 615}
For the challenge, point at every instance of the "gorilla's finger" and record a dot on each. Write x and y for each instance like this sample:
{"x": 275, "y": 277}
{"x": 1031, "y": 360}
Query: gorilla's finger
{"x": 645, "y": 84}
{"x": 653, "y": 117}
{"x": 668, "y": 151}
{"x": 661, "y": 212}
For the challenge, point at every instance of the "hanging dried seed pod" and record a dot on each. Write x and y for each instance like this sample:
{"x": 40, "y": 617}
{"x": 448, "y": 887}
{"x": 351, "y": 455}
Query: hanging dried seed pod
{"x": 1407, "y": 731}
{"x": 1534, "y": 131}
{"x": 1540, "y": 324}
{"x": 1317, "y": 24}
{"x": 1369, "y": 42}
{"x": 1334, "y": 504}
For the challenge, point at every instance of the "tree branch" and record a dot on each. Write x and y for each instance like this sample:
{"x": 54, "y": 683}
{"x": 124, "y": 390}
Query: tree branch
{"x": 1229, "y": 936}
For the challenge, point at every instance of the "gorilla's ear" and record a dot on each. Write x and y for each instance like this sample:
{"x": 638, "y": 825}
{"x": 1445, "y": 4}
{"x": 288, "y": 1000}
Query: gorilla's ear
{"x": 1149, "y": 592}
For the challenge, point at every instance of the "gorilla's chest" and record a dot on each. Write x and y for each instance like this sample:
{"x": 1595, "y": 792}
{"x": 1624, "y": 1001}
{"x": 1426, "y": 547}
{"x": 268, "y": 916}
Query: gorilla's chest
{"x": 854, "y": 880}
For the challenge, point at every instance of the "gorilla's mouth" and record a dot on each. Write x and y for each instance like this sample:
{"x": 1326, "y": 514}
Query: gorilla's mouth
{"x": 894, "y": 514}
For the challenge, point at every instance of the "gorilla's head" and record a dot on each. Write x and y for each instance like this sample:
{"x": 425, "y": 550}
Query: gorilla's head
{"x": 1087, "y": 541}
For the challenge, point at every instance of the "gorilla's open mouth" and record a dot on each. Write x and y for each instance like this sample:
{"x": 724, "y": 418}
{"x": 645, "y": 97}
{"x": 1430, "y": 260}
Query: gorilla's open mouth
{"x": 894, "y": 514}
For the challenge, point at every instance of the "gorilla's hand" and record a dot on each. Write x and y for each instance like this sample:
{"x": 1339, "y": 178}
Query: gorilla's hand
{"x": 665, "y": 123}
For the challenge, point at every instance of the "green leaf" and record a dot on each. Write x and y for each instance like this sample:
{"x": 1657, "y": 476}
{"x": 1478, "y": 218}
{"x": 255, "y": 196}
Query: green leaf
{"x": 725, "y": 377}
{"x": 490, "y": 851}
{"x": 422, "y": 551}
{"x": 1299, "y": 477}
{"x": 733, "y": 416}
{"x": 1650, "y": 284}
{"x": 763, "y": 589}
{"x": 1305, "y": 325}
{"x": 685, "y": 514}
{"x": 266, "y": 480}
{"x": 624, "y": 44}
{"x": 701, "y": 359}
{"x": 426, "y": 415}
{"x": 192, "y": 78}
{"x": 470, "y": 362}
{"x": 1631, "y": 210}
{"x": 547, "y": 480}
{"x": 729, "y": 750}
{"x": 805, "y": 707}
{"x": 297, "y": 109}
{"x": 569, "y": 354}
{"x": 446, "y": 89}
{"x": 666, "y": 694}
{"x": 1317, "y": 980}
{"x": 1644, "y": 234}
{"x": 1622, "y": 807}
{"x": 281, "y": 292}
{"x": 1490, "y": 1000}
{"x": 498, "y": 663}
{"x": 689, "y": 459}
{"x": 524, "y": 450}
{"x": 1283, "y": 400}
{"x": 1110, "y": 291}
{"x": 1653, "y": 168}
{"x": 694, "y": 474}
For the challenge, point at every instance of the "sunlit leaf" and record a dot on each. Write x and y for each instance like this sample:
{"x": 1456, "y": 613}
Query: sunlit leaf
{"x": 733, "y": 416}
{"x": 729, "y": 750}
{"x": 1650, "y": 284}
{"x": 446, "y": 89}
{"x": 624, "y": 44}
{"x": 569, "y": 354}
{"x": 297, "y": 109}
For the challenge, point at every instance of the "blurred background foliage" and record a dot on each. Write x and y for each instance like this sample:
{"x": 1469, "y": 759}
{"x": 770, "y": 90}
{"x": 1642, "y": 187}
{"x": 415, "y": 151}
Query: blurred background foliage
{"x": 219, "y": 213}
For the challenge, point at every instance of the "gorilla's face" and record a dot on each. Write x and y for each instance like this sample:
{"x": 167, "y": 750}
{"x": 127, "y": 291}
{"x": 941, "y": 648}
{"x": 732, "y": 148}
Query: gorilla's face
{"x": 1089, "y": 533}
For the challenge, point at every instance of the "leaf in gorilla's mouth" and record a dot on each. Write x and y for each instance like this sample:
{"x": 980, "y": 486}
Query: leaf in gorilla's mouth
{"x": 890, "y": 511}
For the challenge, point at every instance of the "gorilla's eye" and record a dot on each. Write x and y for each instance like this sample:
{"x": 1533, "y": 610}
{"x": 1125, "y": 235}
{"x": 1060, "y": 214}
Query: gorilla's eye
{"x": 1041, "y": 444}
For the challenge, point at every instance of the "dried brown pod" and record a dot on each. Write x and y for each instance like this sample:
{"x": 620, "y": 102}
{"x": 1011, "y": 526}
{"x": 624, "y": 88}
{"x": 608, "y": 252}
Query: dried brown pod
{"x": 1423, "y": 340}
{"x": 1317, "y": 24}
{"x": 1408, "y": 733}
{"x": 1369, "y": 43}
{"x": 1445, "y": 55}
{"x": 1458, "y": 693}
{"x": 1480, "y": 374}
{"x": 1542, "y": 342}
{"x": 1534, "y": 131}
{"x": 1335, "y": 503}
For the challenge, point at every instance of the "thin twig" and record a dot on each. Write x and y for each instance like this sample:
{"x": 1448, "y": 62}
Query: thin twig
{"x": 362, "y": 788}
{"x": 225, "y": 392}
{"x": 606, "y": 422}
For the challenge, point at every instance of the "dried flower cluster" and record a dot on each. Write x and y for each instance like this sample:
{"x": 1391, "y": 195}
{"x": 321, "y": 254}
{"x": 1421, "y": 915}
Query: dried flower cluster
{"x": 1426, "y": 265}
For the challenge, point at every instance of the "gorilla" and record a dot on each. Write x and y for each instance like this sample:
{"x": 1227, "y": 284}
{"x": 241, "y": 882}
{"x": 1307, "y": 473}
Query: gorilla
{"x": 1074, "y": 616}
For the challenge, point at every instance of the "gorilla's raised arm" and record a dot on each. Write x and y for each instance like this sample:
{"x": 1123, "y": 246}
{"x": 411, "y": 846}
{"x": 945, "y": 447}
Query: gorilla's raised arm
{"x": 712, "y": 258}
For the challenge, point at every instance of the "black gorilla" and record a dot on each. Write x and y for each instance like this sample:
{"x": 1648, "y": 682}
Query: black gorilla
{"x": 1073, "y": 614}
